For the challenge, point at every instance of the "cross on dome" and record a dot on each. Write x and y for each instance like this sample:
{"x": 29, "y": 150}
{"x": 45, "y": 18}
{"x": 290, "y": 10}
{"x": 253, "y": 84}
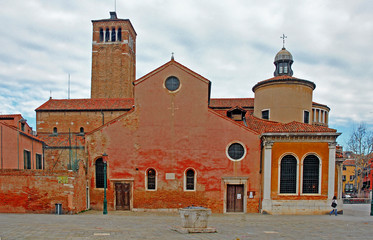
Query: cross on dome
{"x": 283, "y": 40}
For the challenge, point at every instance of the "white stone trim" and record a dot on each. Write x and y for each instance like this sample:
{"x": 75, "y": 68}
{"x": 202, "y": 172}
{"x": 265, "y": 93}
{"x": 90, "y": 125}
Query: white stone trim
{"x": 267, "y": 168}
{"x": 185, "y": 180}
{"x": 146, "y": 179}
{"x": 235, "y": 181}
{"x": 331, "y": 171}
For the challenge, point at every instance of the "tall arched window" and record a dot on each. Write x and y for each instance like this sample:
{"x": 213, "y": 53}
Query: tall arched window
{"x": 311, "y": 173}
{"x": 107, "y": 35}
{"x": 82, "y": 130}
{"x": 151, "y": 179}
{"x": 119, "y": 38}
{"x": 288, "y": 174}
{"x": 101, "y": 35}
{"x": 100, "y": 173}
{"x": 113, "y": 34}
{"x": 55, "y": 130}
{"x": 189, "y": 180}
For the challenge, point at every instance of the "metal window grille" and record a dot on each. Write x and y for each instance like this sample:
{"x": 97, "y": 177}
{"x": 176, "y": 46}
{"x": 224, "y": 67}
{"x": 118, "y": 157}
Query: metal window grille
{"x": 100, "y": 173}
{"x": 236, "y": 151}
{"x": 311, "y": 174}
{"x": 190, "y": 179}
{"x": 288, "y": 175}
{"x": 151, "y": 179}
{"x": 172, "y": 83}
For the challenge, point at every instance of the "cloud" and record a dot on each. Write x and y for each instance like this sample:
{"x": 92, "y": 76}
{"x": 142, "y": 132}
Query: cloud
{"x": 233, "y": 44}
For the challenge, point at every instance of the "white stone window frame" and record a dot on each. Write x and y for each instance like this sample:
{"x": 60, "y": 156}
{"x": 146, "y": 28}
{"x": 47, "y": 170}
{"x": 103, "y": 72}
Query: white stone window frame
{"x": 309, "y": 117}
{"x": 279, "y": 175}
{"x": 269, "y": 113}
{"x": 185, "y": 180}
{"x": 320, "y": 175}
{"x": 244, "y": 148}
{"x": 146, "y": 179}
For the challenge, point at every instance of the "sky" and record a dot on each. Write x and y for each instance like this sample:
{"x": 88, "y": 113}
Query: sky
{"x": 231, "y": 43}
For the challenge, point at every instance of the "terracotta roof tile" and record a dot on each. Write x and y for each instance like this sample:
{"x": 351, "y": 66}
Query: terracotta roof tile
{"x": 264, "y": 126}
{"x": 87, "y": 104}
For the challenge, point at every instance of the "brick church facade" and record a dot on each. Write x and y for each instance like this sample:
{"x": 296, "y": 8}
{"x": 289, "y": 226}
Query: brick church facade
{"x": 169, "y": 145}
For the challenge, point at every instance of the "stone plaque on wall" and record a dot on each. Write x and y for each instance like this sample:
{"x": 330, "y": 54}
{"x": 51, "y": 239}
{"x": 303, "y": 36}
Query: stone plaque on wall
{"x": 170, "y": 176}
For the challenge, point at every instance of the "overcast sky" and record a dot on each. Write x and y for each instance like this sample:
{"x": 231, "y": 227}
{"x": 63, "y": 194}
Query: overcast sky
{"x": 231, "y": 43}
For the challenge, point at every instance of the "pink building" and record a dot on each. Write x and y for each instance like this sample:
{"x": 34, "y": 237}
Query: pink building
{"x": 19, "y": 148}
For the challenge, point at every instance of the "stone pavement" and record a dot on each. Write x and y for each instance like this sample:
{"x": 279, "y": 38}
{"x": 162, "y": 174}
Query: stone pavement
{"x": 354, "y": 224}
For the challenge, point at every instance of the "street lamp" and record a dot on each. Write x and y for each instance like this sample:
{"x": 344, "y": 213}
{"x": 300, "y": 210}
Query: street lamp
{"x": 104, "y": 160}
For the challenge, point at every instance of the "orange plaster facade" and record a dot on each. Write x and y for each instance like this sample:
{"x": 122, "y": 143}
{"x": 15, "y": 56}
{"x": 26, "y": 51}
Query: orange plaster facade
{"x": 300, "y": 151}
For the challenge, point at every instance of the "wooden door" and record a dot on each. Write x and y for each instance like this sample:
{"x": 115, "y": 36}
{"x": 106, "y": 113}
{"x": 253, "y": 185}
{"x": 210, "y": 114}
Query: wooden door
{"x": 123, "y": 196}
{"x": 235, "y": 197}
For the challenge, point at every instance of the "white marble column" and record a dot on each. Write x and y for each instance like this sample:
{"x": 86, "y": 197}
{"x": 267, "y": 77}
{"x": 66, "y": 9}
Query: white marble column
{"x": 331, "y": 177}
{"x": 267, "y": 168}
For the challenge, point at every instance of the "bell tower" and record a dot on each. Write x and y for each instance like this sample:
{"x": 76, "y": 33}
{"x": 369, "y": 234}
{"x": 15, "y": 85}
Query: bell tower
{"x": 113, "y": 58}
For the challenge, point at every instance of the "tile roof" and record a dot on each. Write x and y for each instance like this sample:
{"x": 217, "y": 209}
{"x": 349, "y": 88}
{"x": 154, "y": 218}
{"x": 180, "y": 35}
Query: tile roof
{"x": 283, "y": 78}
{"x": 87, "y": 104}
{"x": 231, "y": 102}
{"x": 349, "y": 162}
{"x": 62, "y": 140}
{"x": 265, "y": 126}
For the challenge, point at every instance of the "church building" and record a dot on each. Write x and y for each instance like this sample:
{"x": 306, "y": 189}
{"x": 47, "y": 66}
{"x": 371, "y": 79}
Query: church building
{"x": 166, "y": 144}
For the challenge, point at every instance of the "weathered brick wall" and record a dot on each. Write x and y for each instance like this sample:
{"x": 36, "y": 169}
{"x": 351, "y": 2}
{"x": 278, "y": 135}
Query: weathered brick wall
{"x": 37, "y": 191}
{"x": 57, "y": 159}
{"x": 73, "y": 120}
{"x": 113, "y": 62}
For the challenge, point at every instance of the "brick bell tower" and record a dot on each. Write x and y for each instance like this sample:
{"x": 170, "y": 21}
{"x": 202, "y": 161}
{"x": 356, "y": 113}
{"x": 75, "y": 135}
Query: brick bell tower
{"x": 113, "y": 58}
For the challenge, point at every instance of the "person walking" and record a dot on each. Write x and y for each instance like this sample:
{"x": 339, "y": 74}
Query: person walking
{"x": 334, "y": 206}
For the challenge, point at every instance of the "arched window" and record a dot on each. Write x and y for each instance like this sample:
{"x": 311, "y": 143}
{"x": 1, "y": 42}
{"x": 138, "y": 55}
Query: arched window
{"x": 311, "y": 173}
{"x": 288, "y": 174}
{"x": 101, "y": 35}
{"x": 82, "y": 130}
{"x": 107, "y": 35}
{"x": 119, "y": 38}
{"x": 189, "y": 180}
{"x": 151, "y": 179}
{"x": 100, "y": 173}
{"x": 55, "y": 130}
{"x": 113, "y": 34}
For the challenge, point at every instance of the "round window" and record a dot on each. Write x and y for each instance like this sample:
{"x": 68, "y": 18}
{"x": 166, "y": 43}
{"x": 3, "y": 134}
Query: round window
{"x": 236, "y": 151}
{"x": 172, "y": 83}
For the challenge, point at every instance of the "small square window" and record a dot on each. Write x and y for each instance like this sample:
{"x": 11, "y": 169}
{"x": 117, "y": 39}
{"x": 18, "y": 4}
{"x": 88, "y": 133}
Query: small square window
{"x": 265, "y": 114}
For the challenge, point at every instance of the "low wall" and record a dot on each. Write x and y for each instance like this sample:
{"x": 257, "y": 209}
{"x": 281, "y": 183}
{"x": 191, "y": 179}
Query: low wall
{"x": 356, "y": 201}
{"x": 37, "y": 191}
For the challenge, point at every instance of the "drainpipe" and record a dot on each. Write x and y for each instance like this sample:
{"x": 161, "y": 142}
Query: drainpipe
{"x": 103, "y": 117}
